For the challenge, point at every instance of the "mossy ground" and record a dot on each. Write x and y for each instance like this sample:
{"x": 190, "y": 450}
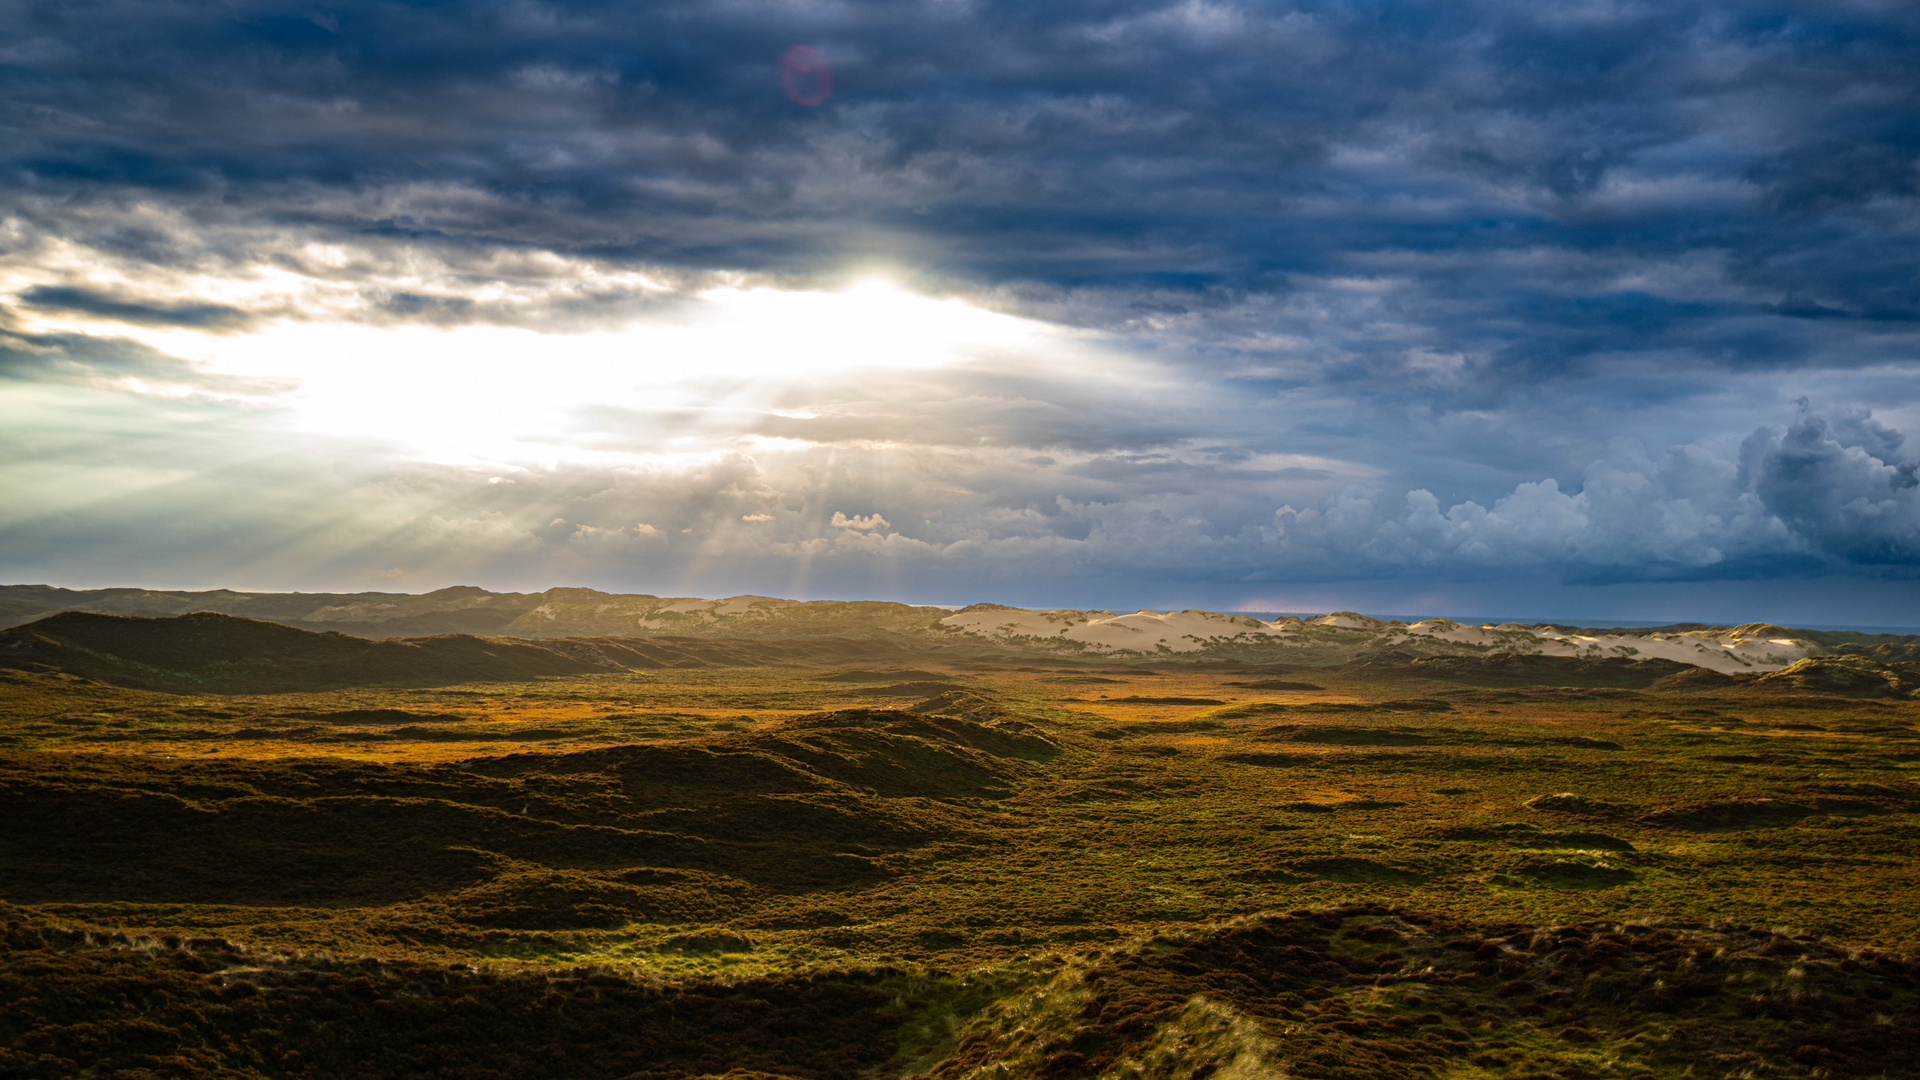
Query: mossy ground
{"x": 790, "y": 827}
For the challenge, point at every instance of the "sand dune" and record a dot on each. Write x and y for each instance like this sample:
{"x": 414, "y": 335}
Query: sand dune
{"x": 1195, "y": 631}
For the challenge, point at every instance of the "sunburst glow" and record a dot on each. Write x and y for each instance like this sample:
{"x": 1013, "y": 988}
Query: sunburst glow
{"x": 480, "y": 394}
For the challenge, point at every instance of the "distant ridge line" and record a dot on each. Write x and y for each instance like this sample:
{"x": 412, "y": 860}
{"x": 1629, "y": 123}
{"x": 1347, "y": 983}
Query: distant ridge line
{"x": 580, "y": 613}
{"x": 472, "y": 609}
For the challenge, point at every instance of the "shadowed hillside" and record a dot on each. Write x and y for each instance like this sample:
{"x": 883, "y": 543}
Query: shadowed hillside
{"x": 688, "y": 830}
{"x": 563, "y": 612}
{"x": 1849, "y": 676}
{"x": 1513, "y": 669}
{"x": 226, "y": 654}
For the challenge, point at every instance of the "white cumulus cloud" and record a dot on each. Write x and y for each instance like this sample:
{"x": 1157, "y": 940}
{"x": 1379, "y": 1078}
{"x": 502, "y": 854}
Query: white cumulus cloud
{"x": 869, "y": 522}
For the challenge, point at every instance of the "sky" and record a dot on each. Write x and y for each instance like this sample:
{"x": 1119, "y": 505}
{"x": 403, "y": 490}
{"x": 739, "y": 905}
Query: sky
{"x": 1571, "y": 310}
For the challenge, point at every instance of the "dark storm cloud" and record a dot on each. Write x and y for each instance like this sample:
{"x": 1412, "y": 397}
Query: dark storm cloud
{"x": 1843, "y": 485}
{"x": 1440, "y": 251}
{"x": 1190, "y": 148}
{"x": 90, "y": 302}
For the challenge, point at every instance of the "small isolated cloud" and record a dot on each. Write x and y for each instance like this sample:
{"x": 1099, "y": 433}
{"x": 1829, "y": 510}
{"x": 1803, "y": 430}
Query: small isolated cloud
{"x": 871, "y": 522}
{"x": 645, "y": 529}
{"x": 753, "y": 517}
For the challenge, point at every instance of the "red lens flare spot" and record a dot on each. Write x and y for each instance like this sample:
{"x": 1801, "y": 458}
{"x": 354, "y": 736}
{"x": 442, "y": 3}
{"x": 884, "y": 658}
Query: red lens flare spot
{"x": 804, "y": 75}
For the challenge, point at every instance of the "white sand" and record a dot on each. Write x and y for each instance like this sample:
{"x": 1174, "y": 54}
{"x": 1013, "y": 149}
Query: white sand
{"x": 1147, "y": 632}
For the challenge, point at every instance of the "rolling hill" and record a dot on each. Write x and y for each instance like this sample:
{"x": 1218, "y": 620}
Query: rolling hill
{"x": 227, "y": 654}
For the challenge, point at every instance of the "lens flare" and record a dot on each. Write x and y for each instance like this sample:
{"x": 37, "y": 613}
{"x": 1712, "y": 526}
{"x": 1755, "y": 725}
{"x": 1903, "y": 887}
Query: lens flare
{"x": 804, "y": 75}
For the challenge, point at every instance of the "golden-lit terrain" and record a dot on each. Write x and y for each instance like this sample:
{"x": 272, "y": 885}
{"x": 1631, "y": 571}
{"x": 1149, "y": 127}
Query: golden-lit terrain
{"x": 968, "y": 863}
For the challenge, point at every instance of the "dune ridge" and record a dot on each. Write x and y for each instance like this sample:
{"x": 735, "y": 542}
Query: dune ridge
{"x": 590, "y": 615}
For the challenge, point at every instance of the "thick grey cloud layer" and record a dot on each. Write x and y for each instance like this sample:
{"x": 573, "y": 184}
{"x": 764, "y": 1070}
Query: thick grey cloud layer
{"x": 1428, "y": 291}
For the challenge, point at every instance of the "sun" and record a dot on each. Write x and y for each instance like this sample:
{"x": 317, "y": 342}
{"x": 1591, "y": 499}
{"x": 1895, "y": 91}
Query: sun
{"x": 690, "y": 381}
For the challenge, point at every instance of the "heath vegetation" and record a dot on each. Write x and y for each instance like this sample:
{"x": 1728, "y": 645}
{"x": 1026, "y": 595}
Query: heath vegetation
{"x": 228, "y": 854}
